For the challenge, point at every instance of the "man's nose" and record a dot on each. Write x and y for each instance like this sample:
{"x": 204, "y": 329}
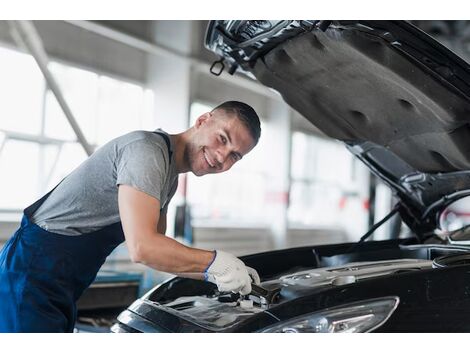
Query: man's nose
{"x": 222, "y": 155}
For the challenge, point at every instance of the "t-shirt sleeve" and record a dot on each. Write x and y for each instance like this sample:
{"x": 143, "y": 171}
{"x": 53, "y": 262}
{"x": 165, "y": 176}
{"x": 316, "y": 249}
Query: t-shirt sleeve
{"x": 142, "y": 165}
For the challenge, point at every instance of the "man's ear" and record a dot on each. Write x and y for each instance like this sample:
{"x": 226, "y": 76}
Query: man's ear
{"x": 202, "y": 119}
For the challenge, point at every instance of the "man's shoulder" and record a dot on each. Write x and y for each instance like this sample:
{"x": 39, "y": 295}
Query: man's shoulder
{"x": 140, "y": 137}
{"x": 137, "y": 135}
{"x": 142, "y": 145}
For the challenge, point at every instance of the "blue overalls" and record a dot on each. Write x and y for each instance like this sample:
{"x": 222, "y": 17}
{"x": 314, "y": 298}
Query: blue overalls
{"x": 42, "y": 274}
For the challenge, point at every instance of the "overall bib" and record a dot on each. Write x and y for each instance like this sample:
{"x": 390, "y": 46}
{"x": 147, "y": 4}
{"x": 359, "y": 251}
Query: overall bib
{"x": 42, "y": 274}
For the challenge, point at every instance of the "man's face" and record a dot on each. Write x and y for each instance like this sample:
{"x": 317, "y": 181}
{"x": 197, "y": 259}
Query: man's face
{"x": 219, "y": 142}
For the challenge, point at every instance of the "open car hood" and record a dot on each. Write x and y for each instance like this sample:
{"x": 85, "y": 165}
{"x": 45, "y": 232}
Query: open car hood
{"x": 397, "y": 98}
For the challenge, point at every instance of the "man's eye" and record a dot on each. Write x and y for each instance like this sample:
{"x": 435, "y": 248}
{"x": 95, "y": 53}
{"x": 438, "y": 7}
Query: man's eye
{"x": 223, "y": 139}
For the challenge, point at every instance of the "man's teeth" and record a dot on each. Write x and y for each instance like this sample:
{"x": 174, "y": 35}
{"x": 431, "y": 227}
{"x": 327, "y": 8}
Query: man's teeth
{"x": 207, "y": 159}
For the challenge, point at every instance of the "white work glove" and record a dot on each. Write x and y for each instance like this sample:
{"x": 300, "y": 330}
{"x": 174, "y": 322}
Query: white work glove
{"x": 230, "y": 274}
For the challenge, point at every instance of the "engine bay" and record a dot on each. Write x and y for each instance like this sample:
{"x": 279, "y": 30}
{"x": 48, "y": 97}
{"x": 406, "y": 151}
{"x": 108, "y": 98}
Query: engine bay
{"x": 217, "y": 311}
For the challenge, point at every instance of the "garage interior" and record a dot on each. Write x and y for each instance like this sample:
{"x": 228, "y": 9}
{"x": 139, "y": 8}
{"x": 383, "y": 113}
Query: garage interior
{"x": 101, "y": 79}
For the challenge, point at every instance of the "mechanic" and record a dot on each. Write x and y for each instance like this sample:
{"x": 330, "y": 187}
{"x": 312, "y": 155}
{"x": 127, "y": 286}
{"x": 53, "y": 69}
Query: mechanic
{"x": 121, "y": 192}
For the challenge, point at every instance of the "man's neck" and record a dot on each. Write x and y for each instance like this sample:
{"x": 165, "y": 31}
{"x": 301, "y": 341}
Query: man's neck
{"x": 179, "y": 143}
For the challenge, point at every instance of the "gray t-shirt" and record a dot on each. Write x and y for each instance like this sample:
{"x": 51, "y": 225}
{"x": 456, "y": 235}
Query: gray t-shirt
{"x": 87, "y": 199}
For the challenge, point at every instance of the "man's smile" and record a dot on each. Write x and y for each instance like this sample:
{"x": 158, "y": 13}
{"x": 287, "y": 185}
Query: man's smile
{"x": 208, "y": 159}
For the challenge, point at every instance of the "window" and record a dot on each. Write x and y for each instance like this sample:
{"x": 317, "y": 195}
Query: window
{"x": 21, "y": 89}
{"x": 37, "y": 145}
{"x": 232, "y": 197}
{"x": 19, "y": 163}
{"x": 103, "y": 107}
{"x": 327, "y": 186}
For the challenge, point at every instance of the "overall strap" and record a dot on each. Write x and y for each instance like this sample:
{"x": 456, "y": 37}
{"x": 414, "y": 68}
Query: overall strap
{"x": 33, "y": 207}
{"x": 167, "y": 142}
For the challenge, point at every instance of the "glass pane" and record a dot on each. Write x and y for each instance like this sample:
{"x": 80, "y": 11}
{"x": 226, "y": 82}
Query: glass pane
{"x": 228, "y": 197}
{"x": 325, "y": 191}
{"x": 80, "y": 90}
{"x": 120, "y": 109}
{"x": 148, "y": 121}
{"x": 103, "y": 108}
{"x": 303, "y": 156}
{"x": 19, "y": 163}
{"x": 56, "y": 125}
{"x": 314, "y": 204}
{"x": 21, "y": 89}
{"x": 334, "y": 163}
{"x": 71, "y": 155}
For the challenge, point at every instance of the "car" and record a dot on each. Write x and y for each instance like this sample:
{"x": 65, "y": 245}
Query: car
{"x": 400, "y": 102}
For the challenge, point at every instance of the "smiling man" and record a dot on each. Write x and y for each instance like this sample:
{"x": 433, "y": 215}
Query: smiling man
{"x": 121, "y": 193}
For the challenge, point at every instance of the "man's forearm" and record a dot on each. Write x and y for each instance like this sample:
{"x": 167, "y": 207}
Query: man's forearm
{"x": 166, "y": 254}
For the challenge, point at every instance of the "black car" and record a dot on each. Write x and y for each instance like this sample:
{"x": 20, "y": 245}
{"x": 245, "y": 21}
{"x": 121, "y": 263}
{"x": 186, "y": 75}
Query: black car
{"x": 400, "y": 102}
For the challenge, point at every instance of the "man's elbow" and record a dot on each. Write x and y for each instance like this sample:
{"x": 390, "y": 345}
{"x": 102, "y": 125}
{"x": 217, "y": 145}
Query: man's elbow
{"x": 147, "y": 249}
{"x": 137, "y": 254}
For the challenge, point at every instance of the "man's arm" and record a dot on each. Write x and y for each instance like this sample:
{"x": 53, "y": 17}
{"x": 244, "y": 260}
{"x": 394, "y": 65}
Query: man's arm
{"x": 140, "y": 218}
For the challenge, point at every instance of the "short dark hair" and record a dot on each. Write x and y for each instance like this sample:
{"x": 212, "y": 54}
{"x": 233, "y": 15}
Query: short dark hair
{"x": 246, "y": 114}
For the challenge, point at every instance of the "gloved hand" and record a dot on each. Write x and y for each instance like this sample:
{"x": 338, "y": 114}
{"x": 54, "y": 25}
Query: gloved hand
{"x": 230, "y": 274}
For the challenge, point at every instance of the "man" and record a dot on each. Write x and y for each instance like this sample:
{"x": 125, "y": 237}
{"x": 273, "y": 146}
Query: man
{"x": 120, "y": 193}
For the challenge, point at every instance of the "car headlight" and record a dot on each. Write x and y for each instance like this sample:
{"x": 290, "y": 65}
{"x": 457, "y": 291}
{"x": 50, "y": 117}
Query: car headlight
{"x": 359, "y": 316}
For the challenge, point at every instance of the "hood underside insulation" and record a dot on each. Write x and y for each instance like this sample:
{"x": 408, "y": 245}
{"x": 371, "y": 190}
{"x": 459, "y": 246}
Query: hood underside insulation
{"x": 358, "y": 84}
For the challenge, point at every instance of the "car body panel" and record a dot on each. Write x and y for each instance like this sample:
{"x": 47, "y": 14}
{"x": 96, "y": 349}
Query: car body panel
{"x": 430, "y": 298}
